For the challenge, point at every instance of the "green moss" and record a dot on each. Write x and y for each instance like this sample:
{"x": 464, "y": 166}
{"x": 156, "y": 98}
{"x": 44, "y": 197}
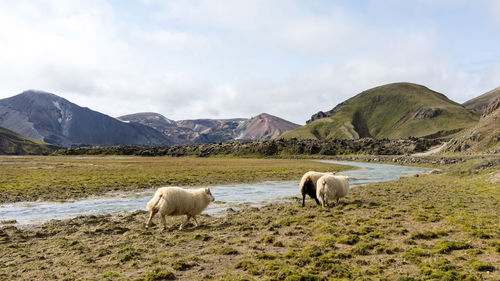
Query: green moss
{"x": 267, "y": 256}
{"x": 249, "y": 266}
{"x": 364, "y": 248}
{"x": 109, "y": 275}
{"x": 446, "y": 247}
{"x": 328, "y": 240}
{"x": 443, "y": 269}
{"x": 350, "y": 239}
{"x": 225, "y": 251}
{"x": 157, "y": 274}
{"x": 415, "y": 255}
{"x": 202, "y": 237}
{"x": 128, "y": 253}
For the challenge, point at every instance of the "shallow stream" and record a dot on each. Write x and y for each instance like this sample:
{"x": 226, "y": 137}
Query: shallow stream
{"x": 226, "y": 196}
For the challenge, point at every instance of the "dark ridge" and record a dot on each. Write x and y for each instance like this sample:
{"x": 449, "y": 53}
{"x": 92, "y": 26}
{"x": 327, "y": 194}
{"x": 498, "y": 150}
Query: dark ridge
{"x": 277, "y": 147}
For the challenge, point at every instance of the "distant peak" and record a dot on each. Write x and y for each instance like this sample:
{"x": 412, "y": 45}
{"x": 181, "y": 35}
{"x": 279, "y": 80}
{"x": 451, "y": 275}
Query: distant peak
{"x": 35, "y": 93}
{"x": 32, "y": 91}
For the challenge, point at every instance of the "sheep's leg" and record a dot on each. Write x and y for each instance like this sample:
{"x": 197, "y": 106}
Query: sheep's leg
{"x": 303, "y": 200}
{"x": 185, "y": 222}
{"x": 317, "y": 201}
{"x": 195, "y": 221}
{"x": 151, "y": 215}
{"x": 164, "y": 222}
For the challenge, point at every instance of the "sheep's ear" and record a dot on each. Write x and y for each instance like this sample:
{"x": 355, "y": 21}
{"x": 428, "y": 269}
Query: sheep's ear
{"x": 207, "y": 190}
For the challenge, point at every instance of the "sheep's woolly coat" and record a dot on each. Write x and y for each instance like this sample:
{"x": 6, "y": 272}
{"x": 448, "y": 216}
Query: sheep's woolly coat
{"x": 175, "y": 201}
{"x": 308, "y": 185}
{"x": 332, "y": 188}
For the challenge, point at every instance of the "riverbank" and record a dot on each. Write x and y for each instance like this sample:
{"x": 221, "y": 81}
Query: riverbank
{"x": 44, "y": 178}
{"x": 439, "y": 226}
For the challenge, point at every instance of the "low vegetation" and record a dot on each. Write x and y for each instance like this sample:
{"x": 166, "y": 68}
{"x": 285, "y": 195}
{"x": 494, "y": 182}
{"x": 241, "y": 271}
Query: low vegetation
{"x": 442, "y": 226}
{"x": 51, "y": 178}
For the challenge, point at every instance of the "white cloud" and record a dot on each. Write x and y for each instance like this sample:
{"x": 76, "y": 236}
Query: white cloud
{"x": 221, "y": 59}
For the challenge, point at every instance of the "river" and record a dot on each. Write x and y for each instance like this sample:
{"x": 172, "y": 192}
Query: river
{"x": 226, "y": 196}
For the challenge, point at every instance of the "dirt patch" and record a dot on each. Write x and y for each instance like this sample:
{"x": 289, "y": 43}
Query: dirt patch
{"x": 495, "y": 178}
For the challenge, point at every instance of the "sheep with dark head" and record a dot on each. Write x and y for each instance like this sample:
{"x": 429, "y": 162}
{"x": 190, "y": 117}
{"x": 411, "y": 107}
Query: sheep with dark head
{"x": 331, "y": 188}
{"x": 175, "y": 201}
{"x": 308, "y": 185}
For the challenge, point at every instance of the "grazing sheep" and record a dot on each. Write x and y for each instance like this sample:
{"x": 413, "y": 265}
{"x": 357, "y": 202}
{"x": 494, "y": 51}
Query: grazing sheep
{"x": 308, "y": 185}
{"x": 175, "y": 201}
{"x": 332, "y": 188}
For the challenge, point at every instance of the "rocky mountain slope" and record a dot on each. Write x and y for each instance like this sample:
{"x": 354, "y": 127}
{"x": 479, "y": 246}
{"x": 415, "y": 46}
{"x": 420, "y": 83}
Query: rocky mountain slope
{"x": 15, "y": 144}
{"x": 211, "y": 130}
{"x": 484, "y": 137}
{"x": 261, "y": 127}
{"x": 391, "y": 111}
{"x": 46, "y": 117}
{"x": 479, "y": 104}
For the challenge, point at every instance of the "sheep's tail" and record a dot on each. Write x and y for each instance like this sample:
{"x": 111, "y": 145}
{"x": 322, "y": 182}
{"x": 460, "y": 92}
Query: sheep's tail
{"x": 154, "y": 204}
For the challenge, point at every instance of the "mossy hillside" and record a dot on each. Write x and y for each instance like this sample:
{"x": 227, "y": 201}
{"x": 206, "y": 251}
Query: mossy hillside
{"x": 15, "y": 144}
{"x": 65, "y": 177}
{"x": 391, "y": 111}
{"x": 434, "y": 227}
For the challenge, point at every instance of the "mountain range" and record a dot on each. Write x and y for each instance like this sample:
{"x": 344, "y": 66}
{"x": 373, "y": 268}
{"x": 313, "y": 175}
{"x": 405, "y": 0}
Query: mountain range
{"x": 261, "y": 127}
{"x": 52, "y": 119}
{"x": 392, "y": 111}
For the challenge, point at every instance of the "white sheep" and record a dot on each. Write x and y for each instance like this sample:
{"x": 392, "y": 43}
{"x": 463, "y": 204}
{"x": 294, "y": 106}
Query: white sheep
{"x": 331, "y": 188}
{"x": 308, "y": 185}
{"x": 175, "y": 201}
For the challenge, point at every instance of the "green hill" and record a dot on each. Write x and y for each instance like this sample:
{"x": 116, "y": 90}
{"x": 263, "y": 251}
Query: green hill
{"x": 391, "y": 111}
{"x": 15, "y": 144}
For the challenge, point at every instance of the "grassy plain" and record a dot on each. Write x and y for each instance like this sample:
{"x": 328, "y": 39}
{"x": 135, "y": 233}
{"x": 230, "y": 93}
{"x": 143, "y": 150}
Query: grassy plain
{"x": 442, "y": 226}
{"x": 64, "y": 177}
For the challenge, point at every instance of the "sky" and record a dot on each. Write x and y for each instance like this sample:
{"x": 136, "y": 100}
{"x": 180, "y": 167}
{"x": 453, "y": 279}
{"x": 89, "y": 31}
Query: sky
{"x": 195, "y": 59}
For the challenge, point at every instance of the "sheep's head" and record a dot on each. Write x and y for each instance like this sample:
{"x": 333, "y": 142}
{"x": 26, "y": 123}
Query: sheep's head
{"x": 207, "y": 191}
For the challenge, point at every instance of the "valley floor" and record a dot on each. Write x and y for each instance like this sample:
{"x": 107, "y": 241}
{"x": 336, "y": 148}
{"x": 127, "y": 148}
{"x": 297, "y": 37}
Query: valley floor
{"x": 29, "y": 178}
{"x": 440, "y": 226}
